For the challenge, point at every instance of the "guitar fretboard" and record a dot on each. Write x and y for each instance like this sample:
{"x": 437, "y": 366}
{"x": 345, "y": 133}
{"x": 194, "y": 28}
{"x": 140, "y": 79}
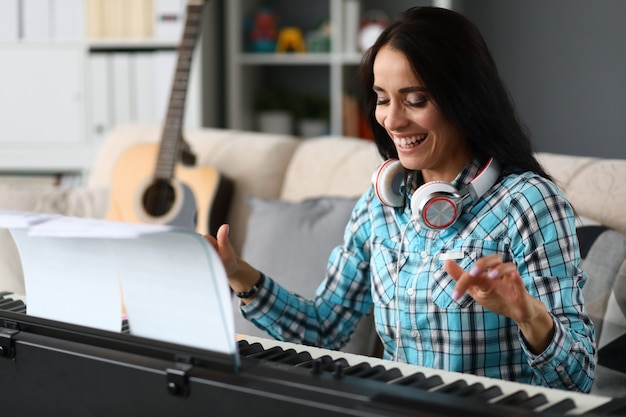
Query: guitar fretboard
{"x": 169, "y": 150}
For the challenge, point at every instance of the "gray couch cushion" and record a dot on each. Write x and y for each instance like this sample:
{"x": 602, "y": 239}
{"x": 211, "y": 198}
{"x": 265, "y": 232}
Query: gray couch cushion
{"x": 291, "y": 242}
{"x": 604, "y": 261}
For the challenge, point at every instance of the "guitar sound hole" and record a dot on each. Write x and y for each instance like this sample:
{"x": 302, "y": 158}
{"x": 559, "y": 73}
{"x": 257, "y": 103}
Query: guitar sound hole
{"x": 159, "y": 198}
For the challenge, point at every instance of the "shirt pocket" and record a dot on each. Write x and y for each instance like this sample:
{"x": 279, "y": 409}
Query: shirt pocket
{"x": 385, "y": 263}
{"x": 467, "y": 252}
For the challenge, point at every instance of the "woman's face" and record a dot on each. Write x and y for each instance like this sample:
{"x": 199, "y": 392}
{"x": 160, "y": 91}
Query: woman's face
{"x": 424, "y": 138}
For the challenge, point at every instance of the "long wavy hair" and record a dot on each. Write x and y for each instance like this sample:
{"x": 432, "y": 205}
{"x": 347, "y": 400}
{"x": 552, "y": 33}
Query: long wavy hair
{"x": 452, "y": 60}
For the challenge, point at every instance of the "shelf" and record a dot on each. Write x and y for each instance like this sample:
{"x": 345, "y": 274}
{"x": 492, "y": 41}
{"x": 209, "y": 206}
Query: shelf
{"x": 63, "y": 94}
{"x": 129, "y": 44}
{"x": 47, "y": 159}
{"x": 316, "y": 58}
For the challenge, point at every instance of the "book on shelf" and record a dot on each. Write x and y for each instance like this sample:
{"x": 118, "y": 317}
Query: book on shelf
{"x": 135, "y": 87}
{"x": 121, "y": 19}
{"x": 9, "y": 21}
{"x": 35, "y": 20}
{"x": 67, "y": 20}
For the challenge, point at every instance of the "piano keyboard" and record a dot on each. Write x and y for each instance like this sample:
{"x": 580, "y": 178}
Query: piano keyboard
{"x": 16, "y": 303}
{"x": 488, "y": 391}
{"x": 492, "y": 391}
{"x": 12, "y": 302}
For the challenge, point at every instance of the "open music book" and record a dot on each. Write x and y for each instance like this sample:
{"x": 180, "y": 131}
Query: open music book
{"x": 169, "y": 281}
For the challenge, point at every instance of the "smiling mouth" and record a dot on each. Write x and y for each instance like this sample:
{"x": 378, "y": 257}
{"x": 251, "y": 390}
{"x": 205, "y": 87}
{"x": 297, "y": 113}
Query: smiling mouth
{"x": 410, "y": 142}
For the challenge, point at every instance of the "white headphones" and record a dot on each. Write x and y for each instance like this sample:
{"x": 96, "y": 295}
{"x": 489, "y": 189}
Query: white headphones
{"x": 436, "y": 204}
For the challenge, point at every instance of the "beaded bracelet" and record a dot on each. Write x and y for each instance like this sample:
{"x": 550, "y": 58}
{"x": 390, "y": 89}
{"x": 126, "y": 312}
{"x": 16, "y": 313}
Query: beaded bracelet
{"x": 253, "y": 290}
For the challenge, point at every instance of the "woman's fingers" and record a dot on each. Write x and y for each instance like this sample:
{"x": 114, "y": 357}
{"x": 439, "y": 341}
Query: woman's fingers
{"x": 485, "y": 263}
{"x": 463, "y": 279}
{"x": 481, "y": 275}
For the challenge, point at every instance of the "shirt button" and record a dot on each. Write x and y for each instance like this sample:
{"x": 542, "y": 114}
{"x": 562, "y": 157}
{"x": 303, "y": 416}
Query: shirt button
{"x": 424, "y": 254}
{"x": 414, "y": 333}
{"x": 410, "y": 291}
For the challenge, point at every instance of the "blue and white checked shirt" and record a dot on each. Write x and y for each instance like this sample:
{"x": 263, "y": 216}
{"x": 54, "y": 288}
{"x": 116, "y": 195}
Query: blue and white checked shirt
{"x": 524, "y": 219}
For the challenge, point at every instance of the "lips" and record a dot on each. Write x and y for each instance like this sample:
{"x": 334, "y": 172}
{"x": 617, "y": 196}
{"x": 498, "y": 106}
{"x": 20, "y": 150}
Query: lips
{"x": 409, "y": 141}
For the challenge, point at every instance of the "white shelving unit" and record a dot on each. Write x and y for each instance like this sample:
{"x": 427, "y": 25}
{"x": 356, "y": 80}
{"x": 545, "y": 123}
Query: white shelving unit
{"x": 49, "y": 118}
{"x": 244, "y": 68}
{"x": 332, "y": 73}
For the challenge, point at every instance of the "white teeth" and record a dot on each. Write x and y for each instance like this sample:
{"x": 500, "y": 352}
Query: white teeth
{"x": 410, "y": 141}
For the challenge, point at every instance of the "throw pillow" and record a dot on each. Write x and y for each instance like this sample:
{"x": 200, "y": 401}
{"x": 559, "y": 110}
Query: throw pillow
{"x": 291, "y": 242}
{"x": 601, "y": 262}
{"x": 612, "y": 343}
{"x": 604, "y": 253}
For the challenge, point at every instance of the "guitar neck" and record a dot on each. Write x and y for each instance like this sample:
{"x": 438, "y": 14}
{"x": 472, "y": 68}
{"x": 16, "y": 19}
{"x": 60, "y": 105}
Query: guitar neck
{"x": 169, "y": 151}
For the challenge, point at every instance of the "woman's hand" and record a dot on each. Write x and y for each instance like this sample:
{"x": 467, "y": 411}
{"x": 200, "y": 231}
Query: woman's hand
{"x": 241, "y": 276}
{"x": 497, "y": 286}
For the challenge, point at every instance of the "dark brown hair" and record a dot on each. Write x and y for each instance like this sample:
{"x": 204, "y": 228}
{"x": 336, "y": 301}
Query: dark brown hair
{"x": 451, "y": 58}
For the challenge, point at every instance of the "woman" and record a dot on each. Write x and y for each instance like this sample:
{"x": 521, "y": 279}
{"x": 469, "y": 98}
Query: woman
{"x": 465, "y": 247}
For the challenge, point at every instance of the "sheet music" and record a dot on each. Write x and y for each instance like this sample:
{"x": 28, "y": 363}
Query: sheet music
{"x": 170, "y": 280}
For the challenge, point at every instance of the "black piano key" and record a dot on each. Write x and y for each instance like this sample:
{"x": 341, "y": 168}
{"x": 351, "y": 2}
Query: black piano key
{"x": 561, "y": 407}
{"x": 386, "y": 375}
{"x": 323, "y": 363}
{"x": 5, "y": 301}
{"x": 453, "y": 387}
{"x": 18, "y": 308}
{"x": 513, "y": 399}
{"x": 295, "y": 357}
{"x": 21, "y": 310}
{"x": 279, "y": 355}
{"x": 250, "y": 348}
{"x": 334, "y": 363}
{"x": 488, "y": 393}
{"x": 377, "y": 373}
{"x": 10, "y": 304}
{"x": 360, "y": 369}
{"x": 419, "y": 380}
{"x": 476, "y": 390}
{"x": 263, "y": 354}
{"x": 472, "y": 390}
{"x": 533, "y": 402}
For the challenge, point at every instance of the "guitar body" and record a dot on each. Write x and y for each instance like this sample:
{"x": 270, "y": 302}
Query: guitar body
{"x": 149, "y": 185}
{"x": 197, "y": 197}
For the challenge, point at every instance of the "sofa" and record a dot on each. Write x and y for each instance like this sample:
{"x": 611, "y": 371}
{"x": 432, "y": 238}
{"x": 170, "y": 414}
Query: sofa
{"x": 292, "y": 198}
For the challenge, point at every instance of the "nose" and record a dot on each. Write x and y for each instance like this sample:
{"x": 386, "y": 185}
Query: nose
{"x": 395, "y": 116}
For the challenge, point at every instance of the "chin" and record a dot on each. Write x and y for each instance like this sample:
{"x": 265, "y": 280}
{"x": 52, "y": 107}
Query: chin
{"x": 410, "y": 162}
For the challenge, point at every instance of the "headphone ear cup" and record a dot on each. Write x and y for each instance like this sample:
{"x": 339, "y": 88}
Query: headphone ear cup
{"x": 388, "y": 182}
{"x": 435, "y": 205}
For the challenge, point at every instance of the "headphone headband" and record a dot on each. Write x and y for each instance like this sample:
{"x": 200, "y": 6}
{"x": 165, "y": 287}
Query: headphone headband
{"x": 484, "y": 180}
{"x": 435, "y": 204}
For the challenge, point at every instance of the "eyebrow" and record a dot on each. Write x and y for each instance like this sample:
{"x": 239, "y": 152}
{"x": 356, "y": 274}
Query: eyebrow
{"x": 403, "y": 90}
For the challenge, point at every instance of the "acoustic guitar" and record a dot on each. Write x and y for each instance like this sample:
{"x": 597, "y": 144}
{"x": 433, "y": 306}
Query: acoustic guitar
{"x": 171, "y": 192}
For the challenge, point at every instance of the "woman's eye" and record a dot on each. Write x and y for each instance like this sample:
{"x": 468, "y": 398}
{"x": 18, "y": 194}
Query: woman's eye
{"x": 381, "y": 101}
{"x": 417, "y": 101}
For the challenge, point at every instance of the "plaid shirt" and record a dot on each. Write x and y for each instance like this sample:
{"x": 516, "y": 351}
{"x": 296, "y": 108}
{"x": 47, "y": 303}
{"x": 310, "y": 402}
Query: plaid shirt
{"x": 389, "y": 262}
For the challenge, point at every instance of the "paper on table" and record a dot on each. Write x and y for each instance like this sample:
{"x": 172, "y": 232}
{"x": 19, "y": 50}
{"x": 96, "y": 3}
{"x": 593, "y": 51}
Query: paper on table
{"x": 65, "y": 226}
{"x": 172, "y": 282}
{"x": 21, "y": 219}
